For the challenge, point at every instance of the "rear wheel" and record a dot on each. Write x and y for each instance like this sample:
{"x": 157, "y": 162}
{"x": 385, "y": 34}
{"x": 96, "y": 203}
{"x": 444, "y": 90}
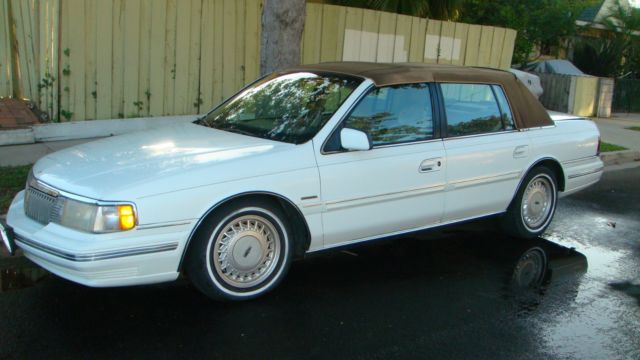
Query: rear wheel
{"x": 242, "y": 252}
{"x": 532, "y": 209}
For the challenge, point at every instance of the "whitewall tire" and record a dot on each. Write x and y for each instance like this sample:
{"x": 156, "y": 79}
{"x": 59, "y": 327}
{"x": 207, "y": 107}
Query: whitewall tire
{"x": 240, "y": 252}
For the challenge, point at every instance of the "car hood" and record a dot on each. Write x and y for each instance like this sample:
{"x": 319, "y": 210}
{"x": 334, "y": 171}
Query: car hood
{"x": 160, "y": 160}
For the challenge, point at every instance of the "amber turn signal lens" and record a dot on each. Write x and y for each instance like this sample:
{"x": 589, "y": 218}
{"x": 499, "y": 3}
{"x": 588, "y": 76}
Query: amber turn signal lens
{"x": 127, "y": 217}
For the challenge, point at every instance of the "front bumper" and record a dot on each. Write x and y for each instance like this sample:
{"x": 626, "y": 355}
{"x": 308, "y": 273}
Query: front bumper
{"x": 100, "y": 260}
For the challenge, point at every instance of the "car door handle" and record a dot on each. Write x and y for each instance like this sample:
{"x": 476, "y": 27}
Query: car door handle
{"x": 430, "y": 165}
{"x": 520, "y": 151}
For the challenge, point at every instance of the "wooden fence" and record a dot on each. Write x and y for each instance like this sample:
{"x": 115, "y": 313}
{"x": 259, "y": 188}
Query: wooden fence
{"x": 626, "y": 97}
{"x": 579, "y": 95}
{"x": 337, "y": 33}
{"x": 99, "y": 59}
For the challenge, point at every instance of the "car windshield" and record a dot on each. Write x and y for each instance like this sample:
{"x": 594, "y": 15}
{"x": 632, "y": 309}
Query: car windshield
{"x": 290, "y": 108}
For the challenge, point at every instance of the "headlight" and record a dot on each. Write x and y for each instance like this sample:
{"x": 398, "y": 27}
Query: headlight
{"x": 96, "y": 218}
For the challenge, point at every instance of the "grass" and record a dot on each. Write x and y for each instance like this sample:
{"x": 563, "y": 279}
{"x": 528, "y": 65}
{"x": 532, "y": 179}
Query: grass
{"x": 606, "y": 147}
{"x": 636, "y": 128}
{"x": 12, "y": 180}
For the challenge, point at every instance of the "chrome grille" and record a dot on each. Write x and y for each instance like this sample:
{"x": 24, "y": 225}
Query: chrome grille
{"x": 39, "y": 206}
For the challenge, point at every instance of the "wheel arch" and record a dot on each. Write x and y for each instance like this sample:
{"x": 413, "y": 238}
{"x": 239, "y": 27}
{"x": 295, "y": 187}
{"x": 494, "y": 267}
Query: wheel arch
{"x": 300, "y": 228}
{"x": 553, "y": 164}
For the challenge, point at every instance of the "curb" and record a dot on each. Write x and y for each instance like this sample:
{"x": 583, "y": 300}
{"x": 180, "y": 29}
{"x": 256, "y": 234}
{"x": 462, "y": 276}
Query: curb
{"x": 620, "y": 157}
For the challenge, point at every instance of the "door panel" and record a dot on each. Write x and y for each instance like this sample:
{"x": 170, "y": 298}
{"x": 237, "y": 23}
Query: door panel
{"x": 380, "y": 191}
{"x": 483, "y": 173}
{"x": 485, "y": 155}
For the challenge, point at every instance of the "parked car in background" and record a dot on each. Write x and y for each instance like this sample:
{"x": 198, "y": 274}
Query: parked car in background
{"x": 531, "y": 81}
{"x": 302, "y": 160}
{"x": 555, "y": 66}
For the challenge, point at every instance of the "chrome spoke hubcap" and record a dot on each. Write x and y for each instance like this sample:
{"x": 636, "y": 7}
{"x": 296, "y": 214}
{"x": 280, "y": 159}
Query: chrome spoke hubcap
{"x": 246, "y": 251}
{"x": 537, "y": 202}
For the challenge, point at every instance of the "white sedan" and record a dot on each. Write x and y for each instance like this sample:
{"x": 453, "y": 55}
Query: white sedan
{"x": 302, "y": 160}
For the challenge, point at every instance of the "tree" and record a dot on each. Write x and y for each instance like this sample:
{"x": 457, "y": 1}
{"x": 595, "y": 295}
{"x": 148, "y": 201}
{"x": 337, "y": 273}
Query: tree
{"x": 624, "y": 31}
{"x": 540, "y": 23}
{"x": 434, "y": 9}
{"x": 282, "y": 26}
{"x": 617, "y": 52}
{"x": 598, "y": 57}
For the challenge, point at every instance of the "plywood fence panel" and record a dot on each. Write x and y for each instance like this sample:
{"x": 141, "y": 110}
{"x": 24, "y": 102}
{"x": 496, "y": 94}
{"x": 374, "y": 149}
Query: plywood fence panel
{"x": 104, "y": 60}
{"x": 460, "y": 44}
{"x": 418, "y": 34}
{"x": 507, "y": 48}
{"x": 352, "y": 33}
{"x": 432, "y": 41}
{"x": 6, "y": 86}
{"x": 447, "y": 42}
{"x": 403, "y": 39}
{"x": 471, "y": 57}
{"x": 48, "y": 77}
{"x": 252, "y": 34}
{"x": 169, "y": 64}
{"x": 497, "y": 44}
{"x": 97, "y": 59}
{"x": 386, "y": 37}
{"x": 557, "y": 91}
{"x": 484, "y": 51}
{"x": 312, "y": 36}
{"x": 157, "y": 65}
{"x": 586, "y": 96}
{"x": 370, "y": 34}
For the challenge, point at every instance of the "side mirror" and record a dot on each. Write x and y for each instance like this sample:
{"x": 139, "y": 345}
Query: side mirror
{"x": 354, "y": 140}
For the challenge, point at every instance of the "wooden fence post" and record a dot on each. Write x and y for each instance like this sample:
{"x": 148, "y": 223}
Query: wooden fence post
{"x": 16, "y": 90}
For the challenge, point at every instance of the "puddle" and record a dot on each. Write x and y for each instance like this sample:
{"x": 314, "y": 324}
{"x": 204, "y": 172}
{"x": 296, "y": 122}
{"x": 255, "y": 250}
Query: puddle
{"x": 603, "y": 311}
{"x": 628, "y": 288}
{"x": 541, "y": 269}
{"x": 19, "y": 278}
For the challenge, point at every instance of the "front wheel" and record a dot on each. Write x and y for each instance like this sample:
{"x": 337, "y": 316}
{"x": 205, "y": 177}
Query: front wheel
{"x": 532, "y": 209}
{"x": 241, "y": 253}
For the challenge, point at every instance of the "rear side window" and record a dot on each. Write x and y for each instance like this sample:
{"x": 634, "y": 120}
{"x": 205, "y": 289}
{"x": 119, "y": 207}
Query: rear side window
{"x": 473, "y": 109}
{"x": 394, "y": 114}
{"x": 507, "y": 116}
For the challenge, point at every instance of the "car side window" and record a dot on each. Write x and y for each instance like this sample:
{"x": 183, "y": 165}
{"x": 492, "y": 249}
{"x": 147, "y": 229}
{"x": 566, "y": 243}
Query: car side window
{"x": 394, "y": 114}
{"x": 471, "y": 109}
{"x": 507, "y": 116}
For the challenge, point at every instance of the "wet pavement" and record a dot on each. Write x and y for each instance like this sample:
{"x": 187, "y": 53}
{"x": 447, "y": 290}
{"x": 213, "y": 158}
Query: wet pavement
{"x": 467, "y": 292}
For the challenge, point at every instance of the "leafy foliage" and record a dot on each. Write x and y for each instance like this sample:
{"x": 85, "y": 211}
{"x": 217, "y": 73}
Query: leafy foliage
{"x": 624, "y": 26}
{"x": 540, "y": 23}
{"x": 434, "y": 9}
{"x": 618, "y": 53}
{"x": 598, "y": 57}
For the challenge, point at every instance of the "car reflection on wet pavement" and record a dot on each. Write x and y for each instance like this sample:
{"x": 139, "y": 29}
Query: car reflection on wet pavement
{"x": 462, "y": 293}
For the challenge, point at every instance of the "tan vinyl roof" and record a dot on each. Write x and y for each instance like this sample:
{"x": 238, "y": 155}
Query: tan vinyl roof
{"x": 527, "y": 110}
